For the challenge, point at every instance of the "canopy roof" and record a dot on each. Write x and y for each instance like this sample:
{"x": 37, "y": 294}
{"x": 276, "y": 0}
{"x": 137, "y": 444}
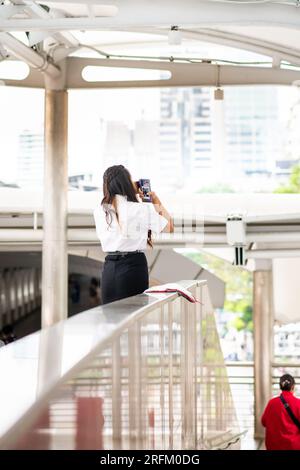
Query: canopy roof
{"x": 213, "y": 34}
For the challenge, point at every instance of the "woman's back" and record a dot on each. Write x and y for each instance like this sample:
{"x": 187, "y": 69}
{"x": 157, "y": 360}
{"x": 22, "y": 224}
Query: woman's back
{"x": 124, "y": 225}
{"x": 281, "y": 432}
{"x": 128, "y": 232}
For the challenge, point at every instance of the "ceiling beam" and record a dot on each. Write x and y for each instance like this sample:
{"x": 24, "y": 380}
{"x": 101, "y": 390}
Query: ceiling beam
{"x": 6, "y": 11}
{"x": 183, "y": 74}
{"x": 36, "y": 11}
{"x": 26, "y": 54}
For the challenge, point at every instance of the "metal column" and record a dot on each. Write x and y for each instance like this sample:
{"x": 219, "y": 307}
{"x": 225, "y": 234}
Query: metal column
{"x": 263, "y": 342}
{"x": 55, "y": 255}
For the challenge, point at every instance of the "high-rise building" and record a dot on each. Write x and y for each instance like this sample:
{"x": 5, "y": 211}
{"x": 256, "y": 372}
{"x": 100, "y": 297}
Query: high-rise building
{"x": 185, "y": 135}
{"x": 118, "y": 144}
{"x": 171, "y": 150}
{"x": 30, "y": 161}
{"x": 146, "y": 149}
{"x": 253, "y": 137}
{"x": 198, "y": 142}
{"x": 227, "y": 141}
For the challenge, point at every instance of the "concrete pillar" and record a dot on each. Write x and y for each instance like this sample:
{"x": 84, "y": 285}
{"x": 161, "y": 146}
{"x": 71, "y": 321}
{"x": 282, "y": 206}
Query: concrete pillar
{"x": 263, "y": 340}
{"x": 55, "y": 256}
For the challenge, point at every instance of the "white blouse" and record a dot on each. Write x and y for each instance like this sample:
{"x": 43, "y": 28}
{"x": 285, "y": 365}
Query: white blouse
{"x": 131, "y": 231}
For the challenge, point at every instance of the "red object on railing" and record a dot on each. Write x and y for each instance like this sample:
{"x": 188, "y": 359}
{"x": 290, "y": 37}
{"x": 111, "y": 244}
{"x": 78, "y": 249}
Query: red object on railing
{"x": 168, "y": 288}
{"x": 89, "y": 423}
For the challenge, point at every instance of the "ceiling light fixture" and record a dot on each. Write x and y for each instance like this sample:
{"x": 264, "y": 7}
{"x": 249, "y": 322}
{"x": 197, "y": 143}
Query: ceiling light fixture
{"x": 174, "y": 37}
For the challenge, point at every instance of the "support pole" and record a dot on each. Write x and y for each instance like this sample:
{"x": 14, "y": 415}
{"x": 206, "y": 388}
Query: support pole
{"x": 263, "y": 340}
{"x": 55, "y": 255}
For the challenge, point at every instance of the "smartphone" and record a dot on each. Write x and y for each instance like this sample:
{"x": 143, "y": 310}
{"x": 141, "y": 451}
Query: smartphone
{"x": 145, "y": 187}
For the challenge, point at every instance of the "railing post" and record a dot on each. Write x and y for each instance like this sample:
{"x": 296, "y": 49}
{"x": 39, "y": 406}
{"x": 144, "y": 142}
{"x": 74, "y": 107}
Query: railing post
{"x": 162, "y": 372}
{"x": 116, "y": 392}
{"x": 200, "y": 358}
{"x": 170, "y": 353}
{"x": 188, "y": 374}
{"x": 134, "y": 385}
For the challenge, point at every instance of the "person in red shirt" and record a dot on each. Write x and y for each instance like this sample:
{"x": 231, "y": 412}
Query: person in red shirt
{"x": 281, "y": 432}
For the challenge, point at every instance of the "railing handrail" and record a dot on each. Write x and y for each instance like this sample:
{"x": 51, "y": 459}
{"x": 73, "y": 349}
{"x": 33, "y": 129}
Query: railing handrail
{"x": 31, "y": 358}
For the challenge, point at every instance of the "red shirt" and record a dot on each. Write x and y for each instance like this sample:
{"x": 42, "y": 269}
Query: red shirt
{"x": 281, "y": 432}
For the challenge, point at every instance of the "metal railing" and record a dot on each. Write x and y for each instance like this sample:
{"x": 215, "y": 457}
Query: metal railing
{"x": 144, "y": 372}
{"x": 241, "y": 380}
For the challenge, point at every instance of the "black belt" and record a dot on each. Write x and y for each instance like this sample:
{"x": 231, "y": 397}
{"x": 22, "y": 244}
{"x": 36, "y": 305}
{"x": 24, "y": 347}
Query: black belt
{"x": 123, "y": 253}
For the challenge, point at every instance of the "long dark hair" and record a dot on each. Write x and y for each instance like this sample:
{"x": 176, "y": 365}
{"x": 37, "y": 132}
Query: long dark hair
{"x": 117, "y": 181}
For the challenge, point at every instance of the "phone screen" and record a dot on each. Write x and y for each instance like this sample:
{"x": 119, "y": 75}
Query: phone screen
{"x": 146, "y": 189}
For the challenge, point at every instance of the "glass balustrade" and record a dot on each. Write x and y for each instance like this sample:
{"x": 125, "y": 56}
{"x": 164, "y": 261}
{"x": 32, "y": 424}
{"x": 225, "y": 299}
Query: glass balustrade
{"x": 146, "y": 372}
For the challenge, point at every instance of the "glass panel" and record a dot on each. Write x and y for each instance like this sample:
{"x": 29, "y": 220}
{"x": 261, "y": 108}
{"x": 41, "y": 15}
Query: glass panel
{"x": 160, "y": 384}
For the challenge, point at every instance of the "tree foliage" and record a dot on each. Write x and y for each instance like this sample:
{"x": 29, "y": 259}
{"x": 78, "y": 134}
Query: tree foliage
{"x": 239, "y": 287}
{"x": 293, "y": 186}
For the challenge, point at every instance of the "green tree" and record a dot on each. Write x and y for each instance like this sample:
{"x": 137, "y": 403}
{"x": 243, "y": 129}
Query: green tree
{"x": 239, "y": 289}
{"x": 238, "y": 281}
{"x": 293, "y": 186}
{"x": 244, "y": 321}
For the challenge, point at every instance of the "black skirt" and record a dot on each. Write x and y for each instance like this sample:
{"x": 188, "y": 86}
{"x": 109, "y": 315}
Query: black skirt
{"x": 124, "y": 276}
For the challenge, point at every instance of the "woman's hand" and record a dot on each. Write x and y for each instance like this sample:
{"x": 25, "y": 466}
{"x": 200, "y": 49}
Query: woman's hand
{"x": 162, "y": 211}
{"x": 138, "y": 190}
{"x": 154, "y": 198}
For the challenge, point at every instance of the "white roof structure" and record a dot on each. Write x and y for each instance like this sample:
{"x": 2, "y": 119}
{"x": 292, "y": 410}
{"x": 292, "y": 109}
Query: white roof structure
{"x": 132, "y": 43}
{"x": 134, "y": 34}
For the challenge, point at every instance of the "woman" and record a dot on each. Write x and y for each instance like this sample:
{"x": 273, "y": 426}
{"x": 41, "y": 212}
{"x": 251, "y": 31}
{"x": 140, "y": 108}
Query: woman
{"x": 281, "y": 431}
{"x": 124, "y": 225}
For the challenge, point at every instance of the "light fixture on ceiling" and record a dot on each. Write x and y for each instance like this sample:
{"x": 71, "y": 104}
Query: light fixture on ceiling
{"x": 174, "y": 36}
{"x": 219, "y": 92}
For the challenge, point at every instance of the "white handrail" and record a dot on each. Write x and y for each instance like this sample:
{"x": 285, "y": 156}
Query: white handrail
{"x": 61, "y": 351}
